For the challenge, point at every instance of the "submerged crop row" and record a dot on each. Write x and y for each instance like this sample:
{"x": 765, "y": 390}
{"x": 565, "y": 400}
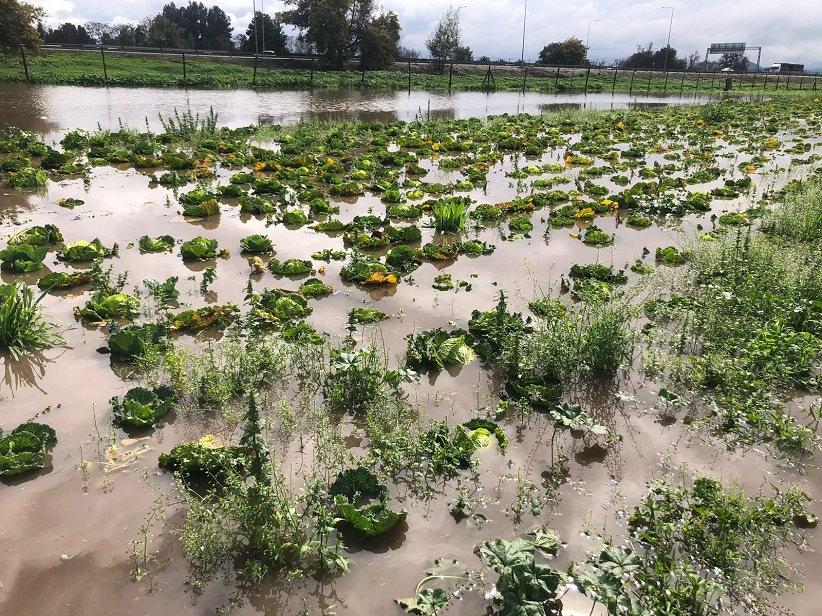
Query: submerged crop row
{"x": 694, "y": 267}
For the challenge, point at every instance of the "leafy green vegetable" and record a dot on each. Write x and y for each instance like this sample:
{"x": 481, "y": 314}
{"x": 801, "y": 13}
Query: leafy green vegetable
{"x": 115, "y": 306}
{"x": 132, "y": 341}
{"x": 37, "y": 236}
{"x": 277, "y": 305}
{"x": 372, "y": 519}
{"x": 63, "y": 280}
{"x": 28, "y": 177}
{"x": 289, "y": 267}
{"x": 161, "y": 243}
{"x": 24, "y": 449}
{"x": 525, "y": 588}
{"x": 434, "y": 349}
{"x": 199, "y": 248}
{"x": 86, "y": 251}
{"x": 196, "y": 319}
{"x": 256, "y": 205}
{"x": 256, "y": 243}
{"x": 142, "y": 407}
{"x": 22, "y": 258}
{"x": 314, "y": 287}
{"x": 295, "y": 217}
{"x": 205, "y": 459}
{"x": 366, "y": 315}
{"x": 669, "y": 255}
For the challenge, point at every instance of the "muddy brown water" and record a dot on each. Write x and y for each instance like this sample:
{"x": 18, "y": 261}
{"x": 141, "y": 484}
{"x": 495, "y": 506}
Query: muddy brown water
{"x": 64, "y": 534}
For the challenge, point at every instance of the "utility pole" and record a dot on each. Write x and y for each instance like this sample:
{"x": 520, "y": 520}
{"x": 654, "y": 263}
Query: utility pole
{"x": 524, "y": 17}
{"x": 668, "y": 45}
{"x": 254, "y": 21}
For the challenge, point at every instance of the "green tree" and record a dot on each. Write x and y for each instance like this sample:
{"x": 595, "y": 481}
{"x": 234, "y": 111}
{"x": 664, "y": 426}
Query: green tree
{"x": 275, "y": 38}
{"x": 446, "y": 38}
{"x": 334, "y": 28}
{"x": 218, "y": 29}
{"x": 380, "y": 42}
{"x": 646, "y": 57}
{"x": 18, "y": 26}
{"x": 570, "y": 52}
{"x": 162, "y": 32}
{"x": 69, "y": 34}
{"x": 736, "y": 61}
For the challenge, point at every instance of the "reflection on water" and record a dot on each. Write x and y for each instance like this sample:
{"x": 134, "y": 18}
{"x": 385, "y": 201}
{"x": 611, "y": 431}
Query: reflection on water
{"x": 55, "y": 109}
{"x": 26, "y": 371}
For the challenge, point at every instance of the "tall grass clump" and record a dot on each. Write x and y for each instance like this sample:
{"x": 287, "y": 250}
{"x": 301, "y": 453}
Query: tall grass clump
{"x": 748, "y": 321}
{"x": 799, "y": 217}
{"x": 188, "y": 125}
{"x": 22, "y": 326}
{"x": 596, "y": 341}
{"x": 450, "y": 214}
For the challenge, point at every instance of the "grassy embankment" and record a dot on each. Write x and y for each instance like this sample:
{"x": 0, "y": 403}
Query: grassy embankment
{"x": 86, "y": 68}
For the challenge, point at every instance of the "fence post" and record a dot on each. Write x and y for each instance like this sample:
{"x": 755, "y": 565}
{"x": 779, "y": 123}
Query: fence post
{"x": 556, "y": 79}
{"x": 613, "y": 83}
{"x": 185, "y": 73}
{"x": 801, "y": 81}
{"x": 788, "y": 83}
{"x": 665, "y": 87}
{"x": 312, "y": 71}
{"x": 450, "y": 75}
{"x": 105, "y": 71}
{"x": 698, "y": 77}
{"x": 524, "y": 77}
{"x": 631, "y": 89}
{"x": 362, "y": 79}
{"x": 648, "y": 88}
{"x": 765, "y": 83}
{"x": 682, "y": 84}
{"x": 711, "y": 89}
{"x": 409, "y": 75}
{"x": 254, "y": 78}
{"x": 25, "y": 63}
{"x": 753, "y": 81}
{"x": 587, "y": 74}
{"x": 777, "y": 82}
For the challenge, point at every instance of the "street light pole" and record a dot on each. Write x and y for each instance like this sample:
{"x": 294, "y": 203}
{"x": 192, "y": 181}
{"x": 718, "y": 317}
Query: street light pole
{"x": 588, "y": 36}
{"x": 254, "y": 21}
{"x": 524, "y": 17}
{"x": 668, "y": 45}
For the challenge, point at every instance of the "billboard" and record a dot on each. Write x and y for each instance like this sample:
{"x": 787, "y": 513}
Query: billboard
{"x": 720, "y": 48}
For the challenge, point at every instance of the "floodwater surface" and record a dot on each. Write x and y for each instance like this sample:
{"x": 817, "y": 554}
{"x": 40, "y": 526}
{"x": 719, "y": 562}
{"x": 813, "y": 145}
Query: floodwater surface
{"x": 65, "y": 535}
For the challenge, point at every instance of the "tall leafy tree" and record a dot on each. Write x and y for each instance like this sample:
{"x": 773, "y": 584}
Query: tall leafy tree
{"x": 275, "y": 38}
{"x": 69, "y": 34}
{"x": 380, "y": 42}
{"x": 736, "y": 61}
{"x": 18, "y": 26}
{"x": 646, "y": 57}
{"x": 570, "y": 52}
{"x": 162, "y": 32}
{"x": 218, "y": 29}
{"x": 446, "y": 38}
{"x": 334, "y": 28}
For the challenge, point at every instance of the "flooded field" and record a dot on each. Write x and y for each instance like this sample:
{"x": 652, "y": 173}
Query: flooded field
{"x": 97, "y": 530}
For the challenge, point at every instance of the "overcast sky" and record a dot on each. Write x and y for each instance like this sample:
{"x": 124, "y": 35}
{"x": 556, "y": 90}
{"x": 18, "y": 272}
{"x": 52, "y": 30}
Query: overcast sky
{"x": 787, "y": 30}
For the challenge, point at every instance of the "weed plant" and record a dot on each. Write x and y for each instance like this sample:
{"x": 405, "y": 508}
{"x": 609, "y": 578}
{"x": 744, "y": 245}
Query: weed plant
{"x": 22, "y": 325}
{"x": 748, "y": 320}
{"x": 699, "y": 548}
{"x": 450, "y": 214}
{"x": 595, "y": 340}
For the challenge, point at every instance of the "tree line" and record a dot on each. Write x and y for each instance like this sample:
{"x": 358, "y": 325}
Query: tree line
{"x": 573, "y": 52}
{"x": 333, "y": 29}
